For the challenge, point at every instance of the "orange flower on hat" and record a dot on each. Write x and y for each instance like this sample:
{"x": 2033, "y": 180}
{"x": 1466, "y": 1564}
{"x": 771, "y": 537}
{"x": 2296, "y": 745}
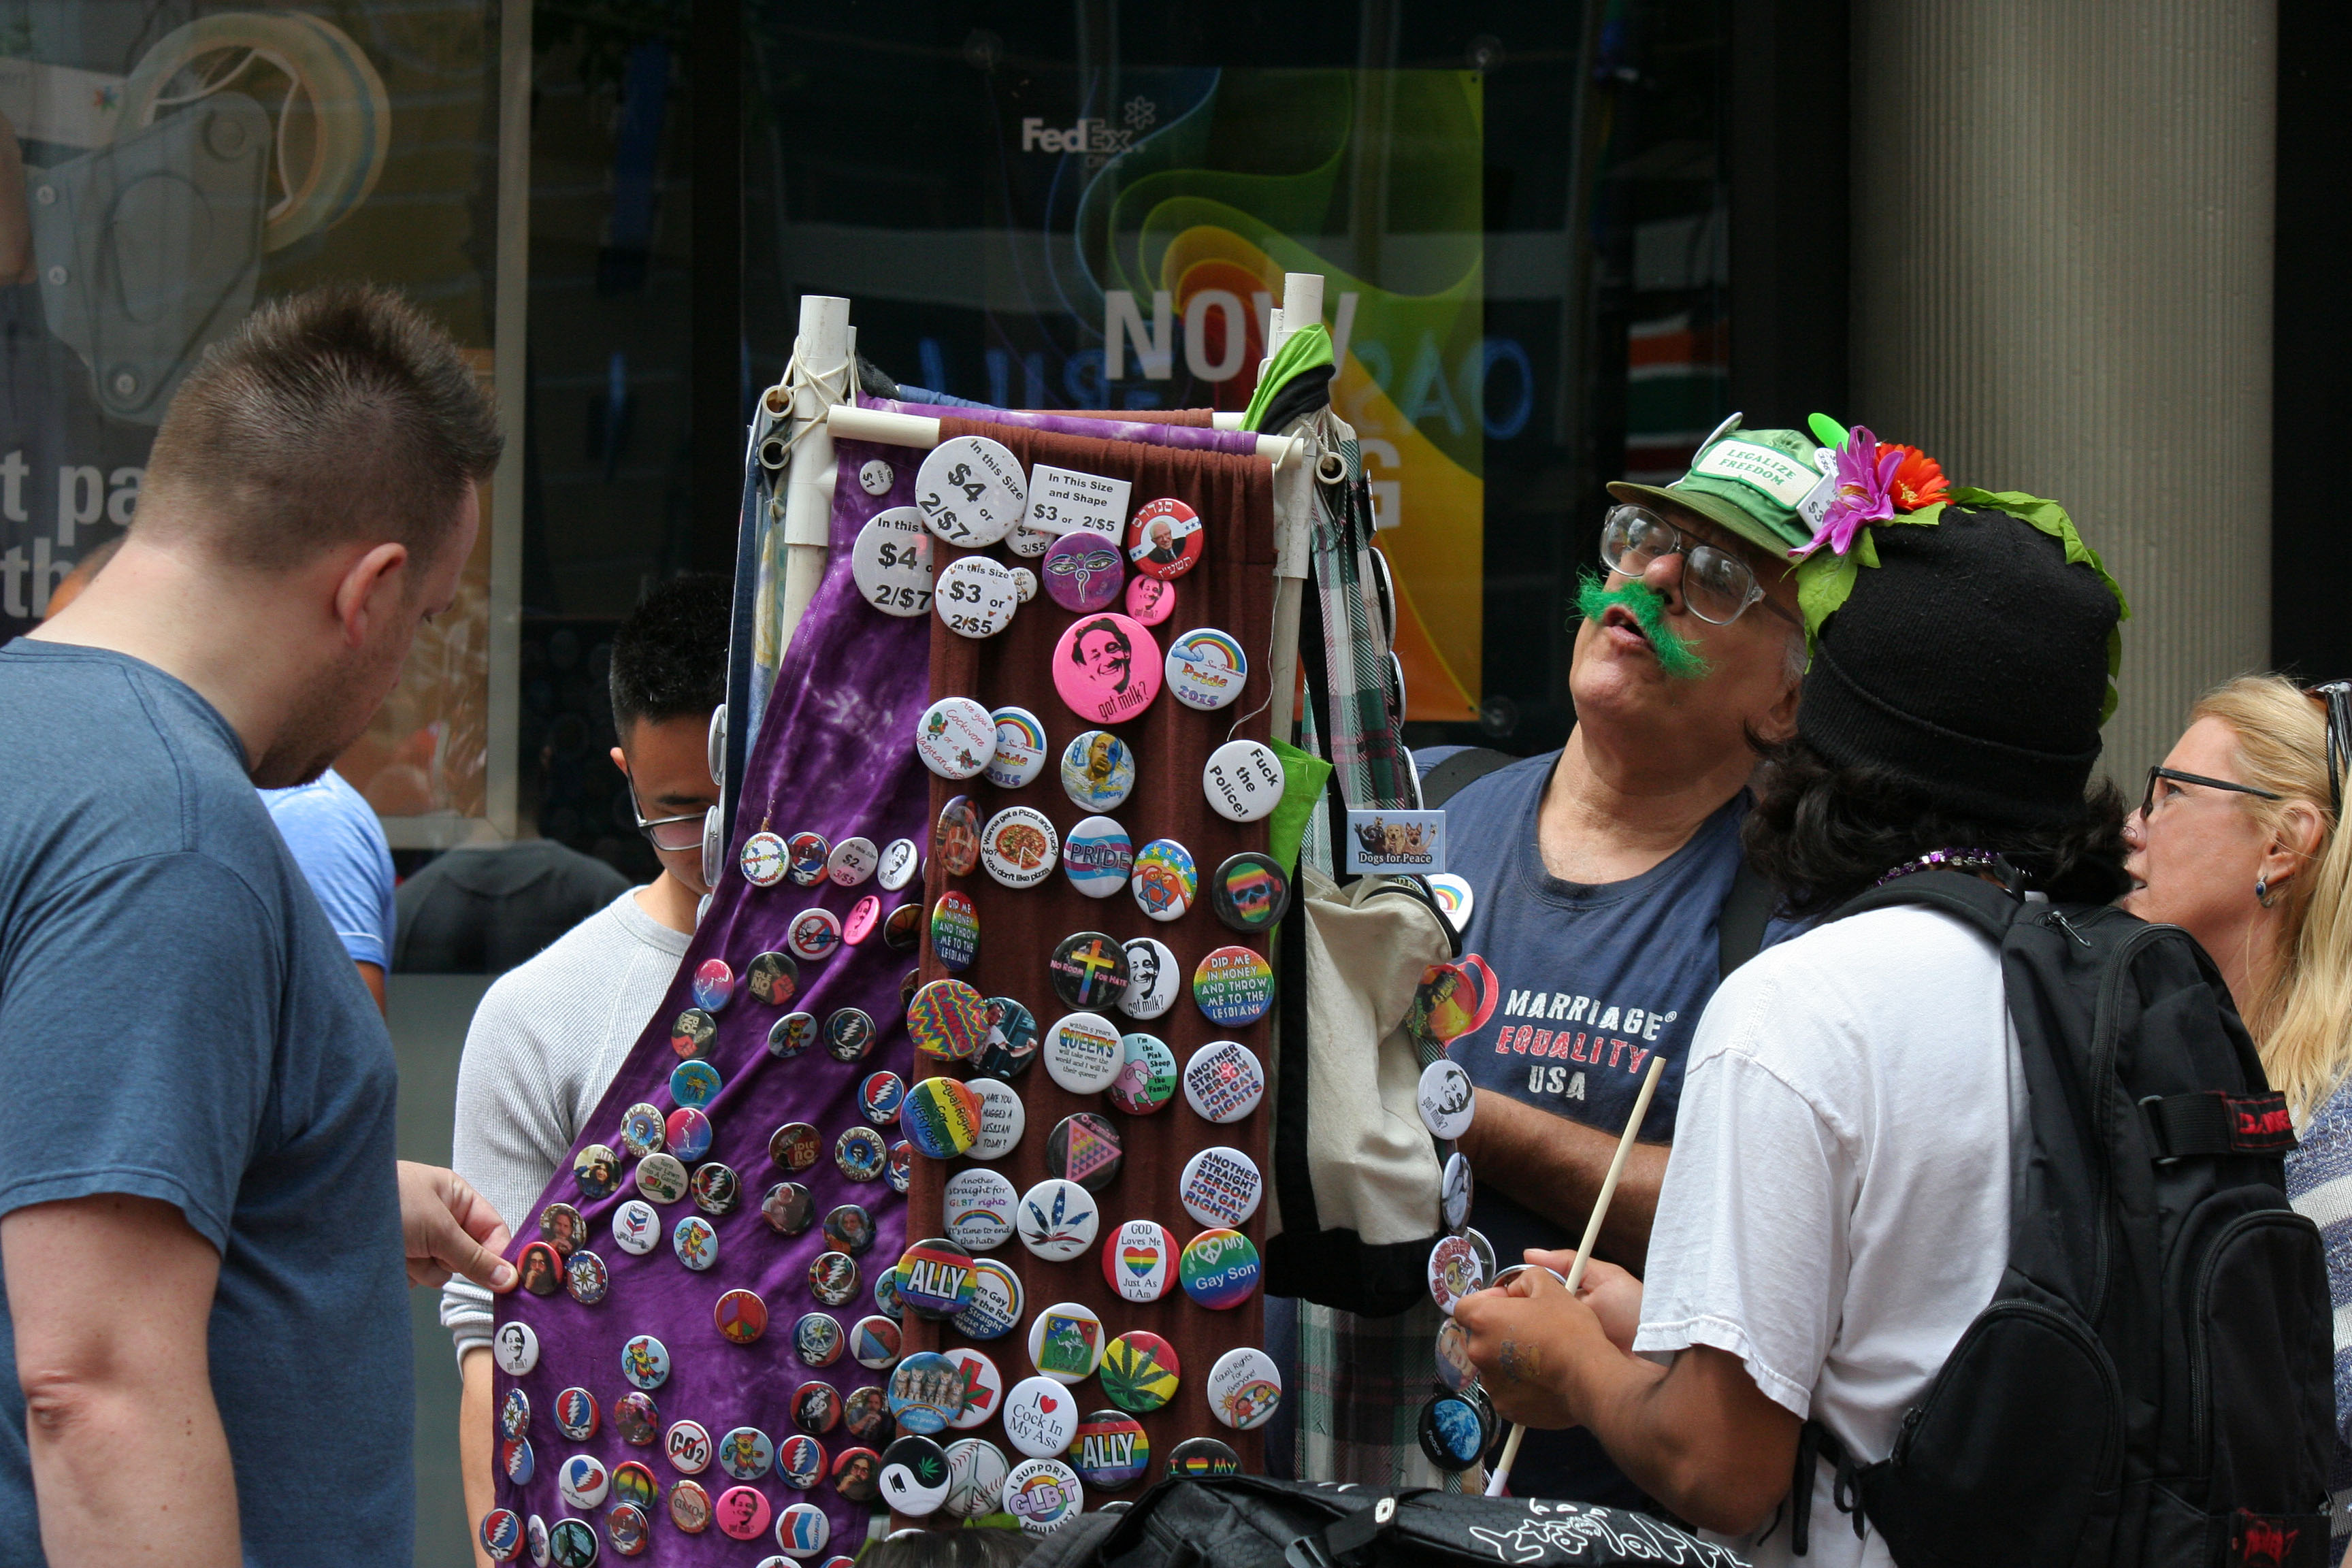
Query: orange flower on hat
{"x": 1918, "y": 479}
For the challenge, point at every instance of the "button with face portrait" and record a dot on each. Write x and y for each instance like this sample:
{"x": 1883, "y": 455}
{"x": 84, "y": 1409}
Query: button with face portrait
{"x": 800, "y": 1462}
{"x": 1447, "y": 1099}
{"x": 740, "y": 1316}
{"x": 1164, "y": 539}
{"x": 856, "y": 1472}
{"x": 1003, "y": 1118}
{"x": 788, "y": 1208}
{"x": 1012, "y": 1041}
{"x": 693, "y": 1034}
{"x": 816, "y": 1408}
{"x": 561, "y": 1226}
{"x": 1153, "y": 979}
{"x": 790, "y": 1034}
{"x": 901, "y": 864}
{"x": 1149, "y": 600}
{"x": 773, "y": 978}
{"x": 865, "y": 1414}
{"x": 1098, "y": 770}
{"x": 641, "y": 1129}
{"x": 763, "y": 860}
{"x": 861, "y": 1153}
{"x": 637, "y": 1420}
{"x": 1250, "y": 892}
{"x": 849, "y": 1228}
{"x": 694, "y": 1241}
{"x": 586, "y": 1278}
{"x": 1086, "y": 1148}
{"x": 1164, "y": 879}
{"x": 814, "y": 935}
{"x": 636, "y": 1227}
{"x": 598, "y": 1172}
{"x": 805, "y": 854}
{"x": 741, "y": 1513}
{"x": 515, "y": 1348}
{"x": 695, "y": 1085}
{"x": 816, "y": 1338}
{"x": 1107, "y": 668}
{"x": 687, "y": 1132}
{"x": 864, "y": 916}
{"x": 849, "y": 1034}
{"x": 542, "y": 1269}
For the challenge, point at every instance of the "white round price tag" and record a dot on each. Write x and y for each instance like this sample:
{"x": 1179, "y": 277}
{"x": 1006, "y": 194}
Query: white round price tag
{"x": 970, "y": 490}
{"x": 892, "y": 563}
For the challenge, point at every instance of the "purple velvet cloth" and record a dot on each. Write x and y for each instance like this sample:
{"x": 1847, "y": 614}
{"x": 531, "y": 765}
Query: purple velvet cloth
{"x": 835, "y": 756}
{"x": 1149, "y": 432}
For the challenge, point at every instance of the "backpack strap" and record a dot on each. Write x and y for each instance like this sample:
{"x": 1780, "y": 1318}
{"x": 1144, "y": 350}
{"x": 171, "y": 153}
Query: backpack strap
{"x": 2211, "y": 1121}
{"x": 1739, "y": 924}
{"x": 1987, "y": 906}
{"x": 1443, "y": 782}
{"x": 1816, "y": 1444}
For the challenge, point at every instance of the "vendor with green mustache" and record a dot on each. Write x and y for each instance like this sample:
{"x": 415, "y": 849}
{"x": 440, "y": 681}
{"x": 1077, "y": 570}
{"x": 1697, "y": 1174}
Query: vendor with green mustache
{"x": 1599, "y": 871}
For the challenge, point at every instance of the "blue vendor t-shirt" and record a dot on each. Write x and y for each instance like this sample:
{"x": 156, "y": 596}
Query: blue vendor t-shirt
{"x": 178, "y": 1018}
{"x": 1583, "y": 985}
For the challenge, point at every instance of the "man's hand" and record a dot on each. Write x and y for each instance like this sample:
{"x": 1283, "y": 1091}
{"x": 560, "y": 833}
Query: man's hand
{"x": 1614, "y": 1294}
{"x": 449, "y": 1227}
{"x": 1526, "y": 1339}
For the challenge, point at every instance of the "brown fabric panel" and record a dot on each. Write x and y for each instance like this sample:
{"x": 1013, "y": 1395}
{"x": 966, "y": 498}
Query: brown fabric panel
{"x": 1232, "y": 589}
{"x": 1197, "y": 418}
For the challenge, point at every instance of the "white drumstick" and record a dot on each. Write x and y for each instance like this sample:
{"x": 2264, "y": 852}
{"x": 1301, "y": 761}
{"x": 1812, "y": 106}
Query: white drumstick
{"x": 1496, "y": 1482}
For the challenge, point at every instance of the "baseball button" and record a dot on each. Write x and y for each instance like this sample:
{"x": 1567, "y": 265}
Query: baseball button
{"x": 817, "y": 1408}
{"x": 1001, "y": 1118}
{"x": 695, "y": 1084}
{"x": 788, "y": 1208}
{"x": 853, "y": 861}
{"x": 1041, "y": 1416}
{"x": 641, "y": 1129}
{"x": 935, "y": 1278}
{"x": 1081, "y": 572}
{"x": 874, "y": 1341}
{"x": 1147, "y": 1075}
{"x": 1057, "y": 1219}
{"x": 1140, "y": 1371}
{"x": 575, "y": 1413}
{"x": 1454, "y": 1272}
{"x": 981, "y": 1385}
{"x": 694, "y": 1242}
{"x": 586, "y": 1278}
{"x": 1447, "y": 1099}
{"x": 598, "y": 1171}
{"x": 1098, "y": 856}
{"x": 1233, "y": 987}
{"x": 795, "y": 1146}
{"x": 763, "y": 860}
{"x": 746, "y": 1453}
{"x": 1220, "y": 1186}
{"x": 915, "y": 1476}
{"x": 860, "y": 1154}
{"x": 636, "y": 1227}
{"x": 849, "y": 1034}
{"x": 832, "y": 1277}
{"x": 814, "y": 935}
{"x": 1012, "y": 1041}
{"x": 1088, "y": 970}
{"x": 516, "y": 1461}
{"x": 970, "y": 490}
{"x": 978, "y": 1203}
{"x": 688, "y": 1133}
{"x": 955, "y": 929}
{"x": 955, "y": 738}
{"x": 1020, "y": 754}
{"x": 1164, "y": 879}
{"x": 1149, "y": 600}
{"x": 1082, "y": 1053}
{"x": 940, "y": 1118}
{"x": 955, "y": 837}
{"x": 662, "y": 1178}
{"x": 855, "y": 1475}
{"x": 1250, "y": 891}
{"x": 1111, "y": 1450}
{"x": 689, "y": 1508}
{"x": 880, "y": 1097}
{"x": 1098, "y": 770}
{"x": 806, "y": 853}
{"x": 693, "y": 1034}
{"x": 848, "y": 1227}
{"x": 741, "y": 1513}
{"x": 1139, "y": 1261}
{"x": 740, "y": 1316}
{"x": 1206, "y": 670}
{"x": 1086, "y": 1148}
{"x": 1219, "y": 1268}
{"x": 583, "y": 1481}
{"x": 1164, "y": 539}
{"x": 1107, "y": 668}
{"x": 801, "y": 1528}
{"x": 790, "y": 1034}
{"x": 800, "y": 1463}
{"x": 501, "y": 1534}
{"x": 1198, "y": 1457}
{"x": 1223, "y": 1082}
{"x": 1243, "y": 781}
{"x": 817, "y": 1339}
{"x": 1019, "y": 847}
{"x": 976, "y": 1472}
{"x": 902, "y": 861}
{"x": 773, "y": 977}
{"x": 864, "y": 916}
{"x": 562, "y": 1228}
{"x": 976, "y": 599}
{"x": 1244, "y": 1388}
{"x": 997, "y": 1301}
{"x": 637, "y": 1420}
{"x": 714, "y": 984}
{"x": 925, "y": 1390}
{"x": 1043, "y": 1495}
{"x": 1152, "y": 979}
{"x": 891, "y": 560}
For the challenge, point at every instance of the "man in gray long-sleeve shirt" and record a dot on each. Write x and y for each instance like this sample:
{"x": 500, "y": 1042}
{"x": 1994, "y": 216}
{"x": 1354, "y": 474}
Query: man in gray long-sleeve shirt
{"x": 548, "y": 1036}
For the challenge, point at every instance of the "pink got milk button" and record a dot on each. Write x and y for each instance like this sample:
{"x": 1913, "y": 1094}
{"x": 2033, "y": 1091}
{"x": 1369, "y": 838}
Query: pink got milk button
{"x": 1107, "y": 668}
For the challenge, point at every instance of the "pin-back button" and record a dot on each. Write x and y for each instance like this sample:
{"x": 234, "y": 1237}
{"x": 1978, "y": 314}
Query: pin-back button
{"x": 976, "y": 1473}
{"x": 741, "y": 1513}
{"x": 1001, "y": 1118}
{"x": 997, "y": 1301}
{"x": 1041, "y": 1416}
{"x": 1020, "y": 754}
{"x": 1153, "y": 981}
{"x": 1147, "y": 1075}
{"x": 795, "y": 1146}
{"x": 849, "y": 1034}
{"x": 1233, "y": 987}
{"x": 849, "y": 1228}
{"x": 1250, "y": 892}
{"x": 955, "y": 929}
{"x": 814, "y": 935}
{"x": 949, "y": 1020}
{"x": 978, "y": 1203}
{"x": 940, "y": 1118}
{"x": 1243, "y": 781}
{"x": 635, "y": 1226}
{"x": 1107, "y": 668}
{"x": 627, "y": 1529}
{"x": 1066, "y": 1342}
{"x": 1455, "y": 1189}
{"x": 1081, "y": 572}
{"x": 860, "y": 1154}
{"x": 694, "y": 1084}
{"x": 1086, "y": 1148}
{"x": 865, "y": 1414}
{"x": 1244, "y": 1388}
{"x": 900, "y": 1171}
{"x": 686, "y": 1131}
{"x": 717, "y": 1188}
{"x": 515, "y": 1348}
{"x": 902, "y": 861}
{"x": 881, "y": 1097}
{"x": 914, "y": 1478}
{"x": 641, "y": 1129}
{"x": 562, "y": 1228}
{"x": 714, "y": 984}
{"x": 1011, "y": 1043}
{"x": 925, "y": 1390}
{"x": 816, "y": 1408}
{"x": 801, "y": 1528}
{"x": 1164, "y": 879}
{"x": 1164, "y": 539}
{"x": 806, "y": 853}
{"x": 634, "y": 1483}
{"x": 1058, "y": 1219}
{"x": 856, "y": 1471}
{"x": 1140, "y": 1371}
{"x": 1219, "y": 1268}
{"x": 1139, "y": 1261}
{"x": 597, "y": 1170}
{"x": 956, "y": 837}
{"x": 981, "y": 1385}
{"x": 645, "y": 1362}
{"x": 517, "y": 1461}
{"x": 694, "y": 1033}
{"x": 586, "y": 1278}
{"x": 542, "y": 1269}
{"x": 572, "y": 1543}
{"x": 956, "y": 738}
{"x": 1019, "y": 847}
{"x": 1220, "y": 1186}
{"x": 852, "y": 861}
{"x": 1098, "y": 770}
{"x": 935, "y": 1278}
{"x": 773, "y": 978}
{"x": 816, "y": 1338}
{"x": 790, "y": 1034}
{"x": 1111, "y": 1450}
{"x": 873, "y": 1342}
{"x": 575, "y": 1413}
{"x": 788, "y": 1208}
{"x": 1088, "y": 971}
{"x": 902, "y": 928}
{"x": 637, "y": 1420}
{"x": 1447, "y": 1099}
{"x": 694, "y": 1241}
{"x": 1206, "y": 670}
{"x": 1198, "y": 1457}
{"x": 1223, "y": 1082}
{"x": 864, "y": 916}
{"x": 584, "y": 1480}
{"x": 746, "y": 1453}
{"x": 1149, "y": 600}
{"x": 977, "y": 596}
{"x": 662, "y": 1177}
{"x": 1043, "y": 1495}
{"x": 763, "y": 860}
{"x": 1082, "y": 1052}
{"x": 502, "y": 1534}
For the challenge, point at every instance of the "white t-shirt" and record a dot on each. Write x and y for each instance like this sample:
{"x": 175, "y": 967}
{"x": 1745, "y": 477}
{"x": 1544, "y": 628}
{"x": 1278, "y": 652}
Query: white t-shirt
{"x": 1836, "y": 1211}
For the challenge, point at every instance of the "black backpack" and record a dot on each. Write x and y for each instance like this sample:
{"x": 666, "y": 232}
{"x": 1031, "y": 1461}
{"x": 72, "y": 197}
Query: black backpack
{"x": 1250, "y": 1522}
{"x": 2151, "y": 1383}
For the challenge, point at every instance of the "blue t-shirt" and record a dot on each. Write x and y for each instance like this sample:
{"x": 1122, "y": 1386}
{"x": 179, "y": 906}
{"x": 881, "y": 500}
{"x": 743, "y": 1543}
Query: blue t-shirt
{"x": 177, "y": 1015}
{"x": 342, "y": 849}
{"x": 1589, "y": 983}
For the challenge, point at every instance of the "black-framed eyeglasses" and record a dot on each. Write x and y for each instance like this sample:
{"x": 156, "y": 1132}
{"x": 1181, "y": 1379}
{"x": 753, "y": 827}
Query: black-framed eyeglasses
{"x": 2337, "y": 697}
{"x": 672, "y": 833}
{"x": 1717, "y": 585}
{"x": 2147, "y": 800}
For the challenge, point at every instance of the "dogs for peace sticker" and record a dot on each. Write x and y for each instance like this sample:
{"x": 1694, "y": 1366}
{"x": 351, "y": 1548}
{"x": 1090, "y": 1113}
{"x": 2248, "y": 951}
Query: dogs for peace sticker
{"x": 1107, "y": 668}
{"x": 971, "y": 491}
{"x": 1234, "y": 986}
{"x": 1164, "y": 539}
{"x": 1219, "y": 1268}
{"x": 1244, "y": 1387}
{"x": 1206, "y": 670}
{"x": 1139, "y": 1261}
{"x": 1223, "y": 1082}
{"x": 1221, "y": 1187}
{"x": 891, "y": 563}
{"x": 1041, "y": 1416}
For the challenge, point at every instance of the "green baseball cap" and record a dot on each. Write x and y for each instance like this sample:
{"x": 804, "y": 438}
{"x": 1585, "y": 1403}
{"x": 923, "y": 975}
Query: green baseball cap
{"x": 1750, "y": 481}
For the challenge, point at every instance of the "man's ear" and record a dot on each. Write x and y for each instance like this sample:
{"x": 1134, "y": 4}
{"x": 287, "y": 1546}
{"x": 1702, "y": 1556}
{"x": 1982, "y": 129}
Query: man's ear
{"x": 621, "y": 760}
{"x": 360, "y": 592}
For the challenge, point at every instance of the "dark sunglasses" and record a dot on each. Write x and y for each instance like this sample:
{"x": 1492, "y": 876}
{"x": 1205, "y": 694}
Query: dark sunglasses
{"x": 2338, "y": 696}
{"x": 2148, "y": 800}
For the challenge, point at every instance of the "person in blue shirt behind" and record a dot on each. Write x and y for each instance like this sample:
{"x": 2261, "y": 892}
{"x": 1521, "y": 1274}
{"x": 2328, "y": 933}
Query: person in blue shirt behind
{"x": 344, "y": 857}
{"x": 1598, "y": 871}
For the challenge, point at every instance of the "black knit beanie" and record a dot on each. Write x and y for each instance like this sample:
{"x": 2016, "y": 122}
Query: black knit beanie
{"x": 1973, "y": 663}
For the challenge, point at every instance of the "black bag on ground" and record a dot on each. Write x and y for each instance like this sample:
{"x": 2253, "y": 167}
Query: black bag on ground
{"x": 2151, "y": 1383}
{"x": 1250, "y": 1522}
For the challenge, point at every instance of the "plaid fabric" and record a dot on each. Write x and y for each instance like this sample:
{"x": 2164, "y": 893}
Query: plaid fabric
{"x": 1362, "y": 1383}
{"x": 1365, "y": 741}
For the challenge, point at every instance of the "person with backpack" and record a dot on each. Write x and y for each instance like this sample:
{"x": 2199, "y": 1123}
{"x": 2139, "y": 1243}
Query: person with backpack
{"x": 2235, "y": 840}
{"x": 1974, "y": 1226}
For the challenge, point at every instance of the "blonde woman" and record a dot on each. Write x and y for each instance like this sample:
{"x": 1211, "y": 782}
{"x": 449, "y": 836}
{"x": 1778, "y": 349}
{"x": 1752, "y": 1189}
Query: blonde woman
{"x": 2236, "y": 839}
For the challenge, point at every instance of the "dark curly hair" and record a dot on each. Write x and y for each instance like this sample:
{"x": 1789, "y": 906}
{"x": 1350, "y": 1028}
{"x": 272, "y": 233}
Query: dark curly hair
{"x": 1822, "y": 833}
{"x": 669, "y": 658}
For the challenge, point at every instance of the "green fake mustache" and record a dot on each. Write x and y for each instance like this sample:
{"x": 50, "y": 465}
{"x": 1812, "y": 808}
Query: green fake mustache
{"x": 1648, "y": 607}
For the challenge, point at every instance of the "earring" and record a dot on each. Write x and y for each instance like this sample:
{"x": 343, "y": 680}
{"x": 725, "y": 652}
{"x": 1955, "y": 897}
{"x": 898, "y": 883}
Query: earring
{"x": 2262, "y": 893}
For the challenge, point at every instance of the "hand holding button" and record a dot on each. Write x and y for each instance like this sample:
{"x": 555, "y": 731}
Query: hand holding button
{"x": 448, "y": 1228}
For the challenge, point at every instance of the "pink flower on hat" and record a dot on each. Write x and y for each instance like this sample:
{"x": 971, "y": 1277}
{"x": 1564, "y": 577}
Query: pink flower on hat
{"x": 1864, "y": 493}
